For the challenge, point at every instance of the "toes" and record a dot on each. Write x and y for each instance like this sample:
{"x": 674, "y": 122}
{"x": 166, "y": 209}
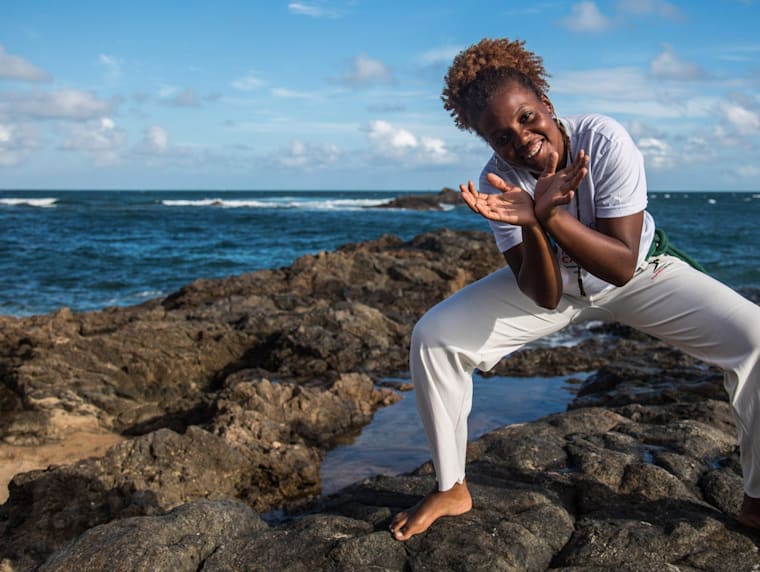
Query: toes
{"x": 398, "y": 522}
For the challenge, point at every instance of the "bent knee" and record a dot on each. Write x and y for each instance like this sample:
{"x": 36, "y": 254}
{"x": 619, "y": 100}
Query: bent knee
{"x": 428, "y": 332}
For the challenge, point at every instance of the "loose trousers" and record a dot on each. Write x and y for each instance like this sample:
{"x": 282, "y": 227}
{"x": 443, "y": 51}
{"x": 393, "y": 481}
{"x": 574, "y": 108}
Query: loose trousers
{"x": 489, "y": 319}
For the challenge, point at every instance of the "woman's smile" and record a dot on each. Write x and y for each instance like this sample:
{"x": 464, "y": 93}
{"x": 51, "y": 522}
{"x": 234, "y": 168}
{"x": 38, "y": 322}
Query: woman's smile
{"x": 520, "y": 127}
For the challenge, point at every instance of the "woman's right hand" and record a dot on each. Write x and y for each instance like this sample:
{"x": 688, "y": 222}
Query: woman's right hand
{"x": 512, "y": 205}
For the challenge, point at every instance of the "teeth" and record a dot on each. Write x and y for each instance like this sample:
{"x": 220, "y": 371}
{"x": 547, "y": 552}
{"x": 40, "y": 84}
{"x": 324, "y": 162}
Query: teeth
{"x": 535, "y": 149}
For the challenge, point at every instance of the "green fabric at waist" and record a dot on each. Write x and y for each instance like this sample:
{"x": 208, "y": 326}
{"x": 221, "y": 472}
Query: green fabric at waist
{"x": 661, "y": 245}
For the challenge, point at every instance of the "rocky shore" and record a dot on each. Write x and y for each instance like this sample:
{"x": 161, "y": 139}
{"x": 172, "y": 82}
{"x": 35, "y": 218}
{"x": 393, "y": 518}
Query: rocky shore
{"x": 223, "y": 397}
{"x": 426, "y": 202}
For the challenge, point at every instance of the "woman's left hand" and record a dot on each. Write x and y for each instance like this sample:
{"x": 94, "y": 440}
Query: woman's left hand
{"x": 554, "y": 189}
{"x": 512, "y": 205}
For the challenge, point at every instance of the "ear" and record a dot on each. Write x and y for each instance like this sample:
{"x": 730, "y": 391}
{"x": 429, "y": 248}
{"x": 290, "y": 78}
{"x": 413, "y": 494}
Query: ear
{"x": 547, "y": 102}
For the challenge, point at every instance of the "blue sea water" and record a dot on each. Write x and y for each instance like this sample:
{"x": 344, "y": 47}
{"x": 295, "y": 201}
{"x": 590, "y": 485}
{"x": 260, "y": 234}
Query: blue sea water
{"x": 89, "y": 250}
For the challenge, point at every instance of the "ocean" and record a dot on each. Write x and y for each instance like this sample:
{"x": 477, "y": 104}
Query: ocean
{"x": 87, "y": 250}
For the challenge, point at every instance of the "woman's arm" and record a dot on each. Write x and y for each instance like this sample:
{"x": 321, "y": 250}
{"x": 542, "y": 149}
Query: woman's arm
{"x": 610, "y": 252}
{"x": 535, "y": 266}
{"x": 533, "y": 261}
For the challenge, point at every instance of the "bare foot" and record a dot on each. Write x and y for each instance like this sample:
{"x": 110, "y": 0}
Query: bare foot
{"x": 453, "y": 502}
{"x": 749, "y": 515}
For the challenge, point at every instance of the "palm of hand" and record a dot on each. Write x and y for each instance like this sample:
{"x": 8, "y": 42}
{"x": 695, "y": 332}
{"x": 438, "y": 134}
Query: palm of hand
{"x": 513, "y": 206}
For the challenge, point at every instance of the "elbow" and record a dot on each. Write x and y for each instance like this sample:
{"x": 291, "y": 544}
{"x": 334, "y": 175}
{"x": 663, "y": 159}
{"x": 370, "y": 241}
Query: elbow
{"x": 548, "y": 302}
{"x": 547, "y": 298}
{"x": 549, "y": 305}
{"x": 623, "y": 277}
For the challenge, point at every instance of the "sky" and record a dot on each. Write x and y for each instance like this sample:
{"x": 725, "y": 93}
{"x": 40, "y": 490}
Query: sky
{"x": 345, "y": 94}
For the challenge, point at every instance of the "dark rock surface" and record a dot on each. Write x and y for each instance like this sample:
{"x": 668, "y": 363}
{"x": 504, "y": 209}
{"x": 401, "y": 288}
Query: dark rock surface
{"x": 231, "y": 391}
{"x": 425, "y": 202}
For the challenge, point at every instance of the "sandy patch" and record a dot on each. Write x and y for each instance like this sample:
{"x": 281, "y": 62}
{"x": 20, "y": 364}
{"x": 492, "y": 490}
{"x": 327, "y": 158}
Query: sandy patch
{"x": 16, "y": 459}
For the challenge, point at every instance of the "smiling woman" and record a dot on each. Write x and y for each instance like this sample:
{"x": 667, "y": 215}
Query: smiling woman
{"x": 566, "y": 200}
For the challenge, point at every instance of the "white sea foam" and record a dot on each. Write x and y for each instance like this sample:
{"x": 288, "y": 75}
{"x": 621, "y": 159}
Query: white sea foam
{"x": 278, "y": 203}
{"x": 135, "y": 298}
{"x": 336, "y": 204}
{"x": 41, "y": 203}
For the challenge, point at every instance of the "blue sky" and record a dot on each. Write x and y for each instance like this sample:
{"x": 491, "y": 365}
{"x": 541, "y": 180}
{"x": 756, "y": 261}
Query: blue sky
{"x": 345, "y": 94}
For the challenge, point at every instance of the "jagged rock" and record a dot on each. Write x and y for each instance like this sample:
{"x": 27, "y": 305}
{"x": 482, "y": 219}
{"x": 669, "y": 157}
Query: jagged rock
{"x": 425, "y": 202}
{"x": 181, "y": 540}
{"x": 230, "y": 390}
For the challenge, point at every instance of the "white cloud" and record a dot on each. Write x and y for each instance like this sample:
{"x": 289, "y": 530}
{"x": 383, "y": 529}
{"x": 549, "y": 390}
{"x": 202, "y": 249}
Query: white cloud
{"x": 586, "y": 17}
{"x": 247, "y": 83}
{"x": 366, "y": 71}
{"x": 101, "y": 139}
{"x": 183, "y": 98}
{"x": 63, "y": 104}
{"x": 157, "y": 138}
{"x": 658, "y": 153}
{"x": 668, "y": 65}
{"x": 749, "y": 171}
{"x": 638, "y": 129}
{"x": 291, "y": 94}
{"x": 743, "y": 121}
{"x": 658, "y": 8}
{"x": 17, "y": 142}
{"x": 629, "y": 91}
{"x": 308, "y": 156}
{"x": 155, "y": 141}
{"x": 439, "y": 56}
{"x": 621, "y": 82}
{"x": 314, "y": 10}
{"x": 390, "y": 139}
{"x": 403, "y": 146}
{"x": 14, "y": 67}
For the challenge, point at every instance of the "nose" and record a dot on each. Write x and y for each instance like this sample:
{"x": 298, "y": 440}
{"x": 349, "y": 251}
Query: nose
{"x": 522, "y": 137}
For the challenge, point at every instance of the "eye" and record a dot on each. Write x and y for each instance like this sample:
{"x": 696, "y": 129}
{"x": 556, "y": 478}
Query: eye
{"x": 525, "y": 117}
{"x": 501, "y": 140}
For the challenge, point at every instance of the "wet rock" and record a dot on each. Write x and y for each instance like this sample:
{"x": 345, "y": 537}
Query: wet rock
{"x": 425, "y": 202}
{"x": 265, "y": 444}
{"x": 231, "y": 390}
{"x": 180, "y": 540}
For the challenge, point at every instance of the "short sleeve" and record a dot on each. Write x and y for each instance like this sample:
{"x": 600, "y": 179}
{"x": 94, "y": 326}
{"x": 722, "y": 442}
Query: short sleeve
{"x": 507, "y": 236}
{"x": 619, "y": 178}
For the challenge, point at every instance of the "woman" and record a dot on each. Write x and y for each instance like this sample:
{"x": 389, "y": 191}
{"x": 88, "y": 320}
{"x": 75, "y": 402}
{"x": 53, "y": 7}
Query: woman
{"x": 566, "y": 202}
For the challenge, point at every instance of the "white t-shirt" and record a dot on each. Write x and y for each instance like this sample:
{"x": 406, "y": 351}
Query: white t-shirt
{"x": 615, "y": 186}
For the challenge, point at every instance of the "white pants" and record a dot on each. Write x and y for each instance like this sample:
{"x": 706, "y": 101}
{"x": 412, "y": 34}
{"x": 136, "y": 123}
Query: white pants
{"x": 491, "y": 318}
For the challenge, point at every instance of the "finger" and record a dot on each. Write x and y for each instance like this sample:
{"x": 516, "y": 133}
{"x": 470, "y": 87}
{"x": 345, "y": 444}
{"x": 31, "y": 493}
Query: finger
{"x": 498, "y": 183}
{"x": 581, "y": 160}
{"x": 573, "y": 181}
{"x": 470, "y": 196}
{"x": 551, "y": 164}
{"x": 579, "y": 163}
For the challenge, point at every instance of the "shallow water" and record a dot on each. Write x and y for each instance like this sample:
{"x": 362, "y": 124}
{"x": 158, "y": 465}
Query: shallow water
{"x": 394, "y": 442}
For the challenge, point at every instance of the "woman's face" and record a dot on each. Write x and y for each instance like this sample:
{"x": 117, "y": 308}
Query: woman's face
{"x": 519, "y": 127}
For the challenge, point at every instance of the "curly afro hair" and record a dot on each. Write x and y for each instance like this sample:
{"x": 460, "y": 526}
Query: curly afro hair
{"x": 479, "y": 71}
